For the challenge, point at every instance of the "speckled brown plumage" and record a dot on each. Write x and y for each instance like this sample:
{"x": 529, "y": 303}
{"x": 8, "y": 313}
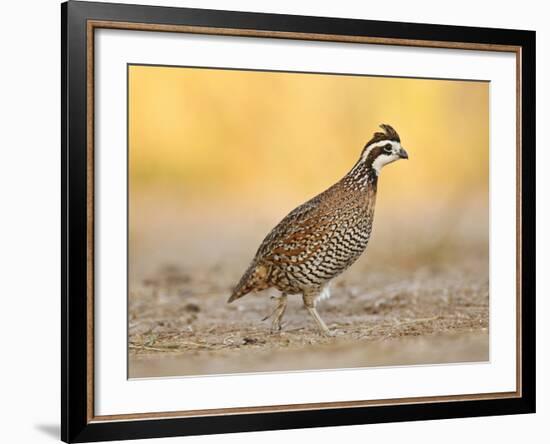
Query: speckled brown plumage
{"x": 321, "y": 238}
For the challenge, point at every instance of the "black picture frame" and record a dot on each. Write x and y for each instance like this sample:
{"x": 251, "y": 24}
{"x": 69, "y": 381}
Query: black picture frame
{"x": 76, "y": 423}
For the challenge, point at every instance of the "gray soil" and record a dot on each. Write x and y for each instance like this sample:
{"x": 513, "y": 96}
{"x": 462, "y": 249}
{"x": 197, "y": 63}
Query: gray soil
{"x": 400, "y": 314}
{"x": 419, "y": 295}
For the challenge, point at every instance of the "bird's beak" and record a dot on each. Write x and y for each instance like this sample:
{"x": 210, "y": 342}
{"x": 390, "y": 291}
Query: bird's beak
{"x": 402, "y": 153}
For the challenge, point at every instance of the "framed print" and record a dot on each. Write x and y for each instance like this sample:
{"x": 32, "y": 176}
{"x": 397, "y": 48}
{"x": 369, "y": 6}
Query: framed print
{"x": 275, "y": 221}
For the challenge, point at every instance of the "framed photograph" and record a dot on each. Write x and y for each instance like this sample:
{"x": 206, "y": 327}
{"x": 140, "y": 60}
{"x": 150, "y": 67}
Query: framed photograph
{"x": 275, "y": 221}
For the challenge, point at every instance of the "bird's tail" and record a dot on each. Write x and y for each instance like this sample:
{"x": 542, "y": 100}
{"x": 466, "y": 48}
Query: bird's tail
{"x": 254, "y": 279}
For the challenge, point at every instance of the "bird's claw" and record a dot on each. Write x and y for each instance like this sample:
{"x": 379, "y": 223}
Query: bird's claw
{"x": 270, "y": 315}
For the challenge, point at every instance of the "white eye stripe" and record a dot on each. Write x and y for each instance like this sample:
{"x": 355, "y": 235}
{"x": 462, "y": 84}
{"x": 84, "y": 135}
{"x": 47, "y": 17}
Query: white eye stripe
{"x": 395, "y": 145}
{"x": 370, "y": 148}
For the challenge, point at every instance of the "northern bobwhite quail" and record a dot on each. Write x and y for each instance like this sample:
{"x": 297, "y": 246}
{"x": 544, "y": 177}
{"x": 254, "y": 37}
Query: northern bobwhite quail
{"x": 322, "y": 237}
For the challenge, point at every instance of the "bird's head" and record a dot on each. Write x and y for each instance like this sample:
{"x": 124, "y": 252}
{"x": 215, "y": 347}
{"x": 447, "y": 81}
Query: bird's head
{"x": 382, "y": 149}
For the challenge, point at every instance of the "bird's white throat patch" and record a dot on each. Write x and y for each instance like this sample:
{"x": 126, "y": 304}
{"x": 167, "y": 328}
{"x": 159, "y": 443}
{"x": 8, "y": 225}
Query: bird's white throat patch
{"x": 383, "y": 160}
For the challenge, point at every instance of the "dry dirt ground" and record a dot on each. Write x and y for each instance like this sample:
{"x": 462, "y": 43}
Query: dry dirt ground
{"x": 419, "y": 295}
{"x": 405, "y": 313}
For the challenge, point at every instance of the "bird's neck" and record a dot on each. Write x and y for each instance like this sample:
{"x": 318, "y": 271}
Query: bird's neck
{"x": 361, "y": 177}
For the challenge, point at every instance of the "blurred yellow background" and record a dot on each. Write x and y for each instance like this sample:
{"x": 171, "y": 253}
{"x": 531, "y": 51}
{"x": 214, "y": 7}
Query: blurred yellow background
{"x": 218, "y": 157}
{"x": 209, "y": 132}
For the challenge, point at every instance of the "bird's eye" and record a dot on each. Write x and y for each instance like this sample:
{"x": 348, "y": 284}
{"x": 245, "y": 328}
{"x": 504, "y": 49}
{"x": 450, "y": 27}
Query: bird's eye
{"x": 387, "y": 148}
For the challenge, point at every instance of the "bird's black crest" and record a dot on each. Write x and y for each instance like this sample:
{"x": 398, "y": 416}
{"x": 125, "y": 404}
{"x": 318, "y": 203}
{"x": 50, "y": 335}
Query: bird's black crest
{"x": 388, "y": 134}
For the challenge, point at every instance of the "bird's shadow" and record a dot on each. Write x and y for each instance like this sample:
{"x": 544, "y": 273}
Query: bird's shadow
{"x": 52, "y": 430}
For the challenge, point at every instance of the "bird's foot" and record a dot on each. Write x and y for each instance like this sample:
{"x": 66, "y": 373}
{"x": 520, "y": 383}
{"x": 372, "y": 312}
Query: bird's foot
{"x": 273, "y": 313}
{"x": 277, "y": 314}
{"x": 265, "y": 318}
{"x": 323, "y": 329}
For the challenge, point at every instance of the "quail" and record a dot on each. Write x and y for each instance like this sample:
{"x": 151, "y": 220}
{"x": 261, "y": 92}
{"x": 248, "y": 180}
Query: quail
{"x": 323, "y": 237}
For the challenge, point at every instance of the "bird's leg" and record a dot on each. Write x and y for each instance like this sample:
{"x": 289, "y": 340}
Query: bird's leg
{"x": 309, "y": 302}
{"x": 278, "y": 313}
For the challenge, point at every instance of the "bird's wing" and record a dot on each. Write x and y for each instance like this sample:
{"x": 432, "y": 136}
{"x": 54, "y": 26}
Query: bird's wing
{"x": 291, "y": 238}
{"x": 302, "y": 232}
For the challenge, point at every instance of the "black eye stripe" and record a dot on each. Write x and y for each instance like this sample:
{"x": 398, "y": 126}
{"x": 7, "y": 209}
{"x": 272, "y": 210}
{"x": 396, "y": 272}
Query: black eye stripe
{"x": 387, "y": 148}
